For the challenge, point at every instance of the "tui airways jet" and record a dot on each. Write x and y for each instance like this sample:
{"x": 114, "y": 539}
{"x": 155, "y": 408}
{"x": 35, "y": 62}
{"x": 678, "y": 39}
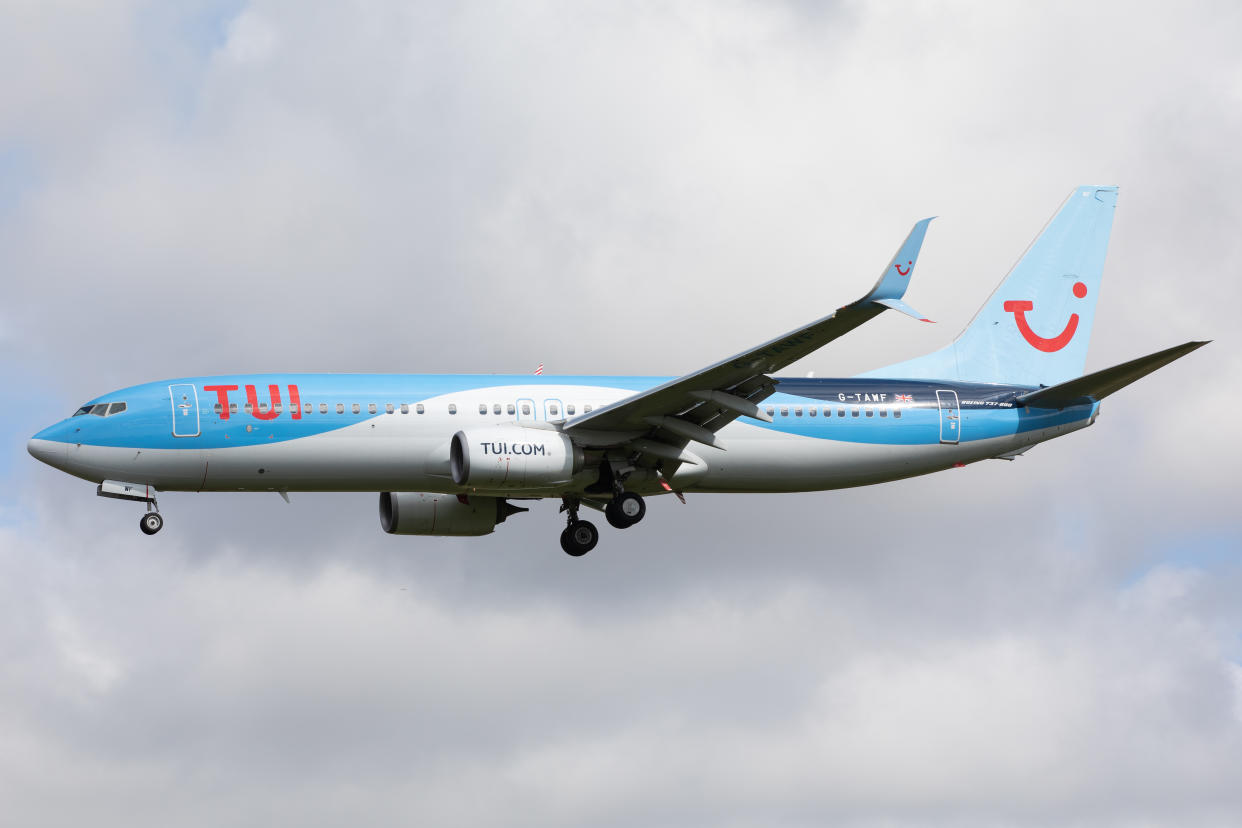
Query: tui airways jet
{"x": 451, "y": 454}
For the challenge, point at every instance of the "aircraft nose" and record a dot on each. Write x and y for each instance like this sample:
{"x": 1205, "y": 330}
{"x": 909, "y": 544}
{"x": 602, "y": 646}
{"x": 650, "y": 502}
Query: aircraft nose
{"x": 46, "y": 451}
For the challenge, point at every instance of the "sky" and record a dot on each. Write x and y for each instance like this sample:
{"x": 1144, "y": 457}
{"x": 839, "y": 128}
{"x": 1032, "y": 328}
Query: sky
{"x": 216, "y": 187}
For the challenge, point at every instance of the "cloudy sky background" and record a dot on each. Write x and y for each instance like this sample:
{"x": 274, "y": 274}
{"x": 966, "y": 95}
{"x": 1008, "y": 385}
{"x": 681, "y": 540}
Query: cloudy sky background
{"x": 213, "y": 187}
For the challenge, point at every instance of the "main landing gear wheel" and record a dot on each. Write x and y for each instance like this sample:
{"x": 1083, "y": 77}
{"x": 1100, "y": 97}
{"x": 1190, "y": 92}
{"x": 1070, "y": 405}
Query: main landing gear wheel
{"x": 150, "y": 523}
{"x": 625, "y": 510}
{"x": 579, "y": 538}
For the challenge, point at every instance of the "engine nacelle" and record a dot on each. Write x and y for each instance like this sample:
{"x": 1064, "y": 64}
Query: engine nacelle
{"x": 422, "y": 513}
{"x": 512, "y": 457}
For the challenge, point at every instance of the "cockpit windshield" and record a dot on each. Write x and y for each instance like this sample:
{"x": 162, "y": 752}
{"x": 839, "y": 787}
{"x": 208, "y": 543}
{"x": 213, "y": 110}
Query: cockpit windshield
{"x": 101, "y": 409}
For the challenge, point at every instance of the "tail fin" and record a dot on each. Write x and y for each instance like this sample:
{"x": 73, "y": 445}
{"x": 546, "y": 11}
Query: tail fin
{"x": 1035, "y": 328}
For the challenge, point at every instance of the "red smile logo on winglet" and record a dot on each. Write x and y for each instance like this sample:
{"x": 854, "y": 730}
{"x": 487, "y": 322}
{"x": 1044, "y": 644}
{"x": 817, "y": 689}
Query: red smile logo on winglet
{"x": 1019, "y": 308}
{"x": 906, "y": 272}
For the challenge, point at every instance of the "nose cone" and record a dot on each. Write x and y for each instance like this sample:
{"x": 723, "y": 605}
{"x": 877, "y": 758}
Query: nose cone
{"x": 51, "y": 452}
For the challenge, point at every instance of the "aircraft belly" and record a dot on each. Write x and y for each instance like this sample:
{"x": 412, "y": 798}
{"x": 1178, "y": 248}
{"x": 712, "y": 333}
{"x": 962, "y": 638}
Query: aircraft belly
{"x": 334, "y": 461}
{"x": 161, "y": 468}
{"x": 791, "y": 463}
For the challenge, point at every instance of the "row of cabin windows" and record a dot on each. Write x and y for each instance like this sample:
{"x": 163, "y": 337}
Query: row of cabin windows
{"x": 812, "y": 411}
{"x": 372, "y": 408}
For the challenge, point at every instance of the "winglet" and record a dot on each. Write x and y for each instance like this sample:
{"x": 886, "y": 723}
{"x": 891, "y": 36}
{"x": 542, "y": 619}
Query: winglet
{"x": 896, "y": 276}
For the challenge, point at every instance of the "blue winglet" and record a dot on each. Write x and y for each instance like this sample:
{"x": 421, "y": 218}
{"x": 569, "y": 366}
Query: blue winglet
{"x": 896, "y": 276}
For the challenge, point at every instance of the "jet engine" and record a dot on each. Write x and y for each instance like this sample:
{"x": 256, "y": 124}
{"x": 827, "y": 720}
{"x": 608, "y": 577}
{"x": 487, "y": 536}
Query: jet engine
{"x": 421, "y": 513}
{"x": 512, "y": 457}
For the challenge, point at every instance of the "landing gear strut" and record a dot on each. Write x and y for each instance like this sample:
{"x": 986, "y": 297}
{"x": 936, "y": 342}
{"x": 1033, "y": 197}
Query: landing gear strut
{"x": 626, "y": 509}
{"x": 580, "y": 536}
{"x": 151, "y": 522}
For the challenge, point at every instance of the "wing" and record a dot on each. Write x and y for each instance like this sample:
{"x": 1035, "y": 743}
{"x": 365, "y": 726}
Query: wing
{"x": 659, "y": 423}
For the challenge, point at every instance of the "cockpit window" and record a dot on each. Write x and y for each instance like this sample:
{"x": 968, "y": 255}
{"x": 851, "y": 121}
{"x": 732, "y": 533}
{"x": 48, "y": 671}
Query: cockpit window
{"x": 100, "y": 409}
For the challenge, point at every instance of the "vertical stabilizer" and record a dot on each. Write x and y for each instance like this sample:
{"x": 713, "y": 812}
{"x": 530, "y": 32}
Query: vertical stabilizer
{"x": 1035, "y": 328}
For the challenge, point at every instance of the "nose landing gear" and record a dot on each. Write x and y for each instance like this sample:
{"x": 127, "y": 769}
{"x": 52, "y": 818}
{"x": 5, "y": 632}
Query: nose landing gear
{"x": 150, "y": 523}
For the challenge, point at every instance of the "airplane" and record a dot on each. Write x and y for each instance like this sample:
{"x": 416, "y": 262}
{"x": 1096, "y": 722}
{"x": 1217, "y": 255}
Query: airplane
{"x": 456, "y": 454}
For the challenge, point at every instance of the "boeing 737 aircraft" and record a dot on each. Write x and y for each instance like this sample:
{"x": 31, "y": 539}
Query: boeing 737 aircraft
{"x": 454, "y": 454}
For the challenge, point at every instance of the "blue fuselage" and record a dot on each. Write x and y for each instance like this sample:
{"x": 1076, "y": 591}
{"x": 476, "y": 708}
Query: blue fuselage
{"x": 365, "y": 432}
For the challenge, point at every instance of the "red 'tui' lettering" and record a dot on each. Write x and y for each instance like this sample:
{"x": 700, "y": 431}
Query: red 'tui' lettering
{"x": 253, "y": 398}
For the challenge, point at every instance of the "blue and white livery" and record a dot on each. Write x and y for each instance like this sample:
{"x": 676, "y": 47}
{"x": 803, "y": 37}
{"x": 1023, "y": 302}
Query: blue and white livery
{"x": 454, "y": 454}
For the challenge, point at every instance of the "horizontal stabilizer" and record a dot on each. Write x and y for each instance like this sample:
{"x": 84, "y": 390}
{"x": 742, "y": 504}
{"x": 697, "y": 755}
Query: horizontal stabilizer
{"x": 1095, "y": 387}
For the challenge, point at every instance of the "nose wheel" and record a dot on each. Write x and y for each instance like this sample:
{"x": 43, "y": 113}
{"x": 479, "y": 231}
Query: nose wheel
{"x": 150, "y": 523}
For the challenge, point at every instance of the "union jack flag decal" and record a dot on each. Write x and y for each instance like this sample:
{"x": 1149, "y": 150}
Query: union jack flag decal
{"x": 904, "y": 397}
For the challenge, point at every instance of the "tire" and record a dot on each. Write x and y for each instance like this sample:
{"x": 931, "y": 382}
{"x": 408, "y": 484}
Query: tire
{"x": 625, "y": 510}
{"x": 579, "y": 538}
{"x": 150, "y": 523}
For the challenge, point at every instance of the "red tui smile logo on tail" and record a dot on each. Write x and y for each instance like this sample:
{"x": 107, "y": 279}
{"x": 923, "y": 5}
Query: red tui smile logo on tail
{"x": 1019, "y": 308}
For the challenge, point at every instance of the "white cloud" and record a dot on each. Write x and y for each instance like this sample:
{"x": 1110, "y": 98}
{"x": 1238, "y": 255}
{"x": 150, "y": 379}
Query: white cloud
{"x": 473, "y": 188}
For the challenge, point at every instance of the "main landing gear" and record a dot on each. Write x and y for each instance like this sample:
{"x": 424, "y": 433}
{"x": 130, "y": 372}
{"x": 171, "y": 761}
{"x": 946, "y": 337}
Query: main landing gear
{"x": 626, "y": 509}
{"x": 581, "y": 536}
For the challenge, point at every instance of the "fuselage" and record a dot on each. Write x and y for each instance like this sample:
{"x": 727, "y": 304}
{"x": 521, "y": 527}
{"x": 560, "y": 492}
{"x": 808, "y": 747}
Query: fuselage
{"x": 392, "y": 432}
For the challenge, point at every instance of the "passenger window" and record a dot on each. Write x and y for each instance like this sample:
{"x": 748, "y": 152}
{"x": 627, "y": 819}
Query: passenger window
{"x": 323, "y": 408}
{"x": 870, "y": 411}
{"x": 405, "y": 408}
{"x": 770, "y": 410}
{"x": 419, "y": 408}
{"x": 308, "y": 408}
{"x": 812, "y": 410}
{"x": 526, "y": 409}
{"x": 370, "y": 408}
{"x": 482, "y": 408}
{"x": 883, "y": 412}
{"x": 496, "y": 408}
{"x": 510, "y": 408}
{"x": 452, "y": 408}
{"x": 853, "y": 412}
{"x": 356, "y": 408}
{"x": 569, "y": 409}
{"x": 340, "y": 408}
{"x": 897, "y": 413}
{"x": 553, "y": 410}
{"x": 232, "y": 408}
{"x": 219, "y": 408}
{"x": 247, "y": 408}
{"x": 784, "y": 411}
{"x": 278, "y": 408}
{"x": 798, "y": 411}
{"x": 388, "y": 408}
{"x": 586, "y": 409}
{"x": 840, "y": 412}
